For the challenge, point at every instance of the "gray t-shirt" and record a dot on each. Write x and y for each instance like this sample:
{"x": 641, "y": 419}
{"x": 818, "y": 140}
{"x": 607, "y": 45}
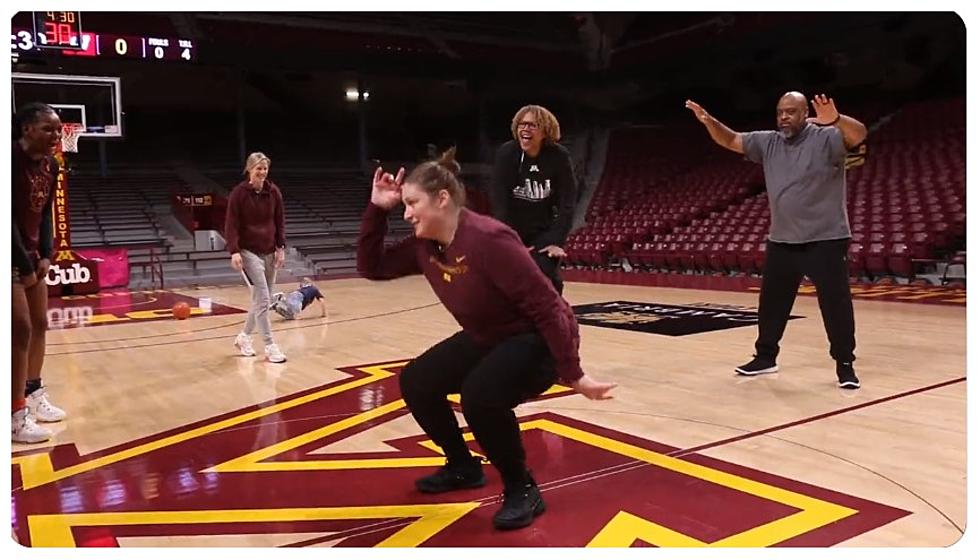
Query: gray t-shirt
{"x": 805, "y": 181}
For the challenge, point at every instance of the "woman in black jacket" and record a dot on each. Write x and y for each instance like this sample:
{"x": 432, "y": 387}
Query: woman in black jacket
{"x": 533, "y": 188}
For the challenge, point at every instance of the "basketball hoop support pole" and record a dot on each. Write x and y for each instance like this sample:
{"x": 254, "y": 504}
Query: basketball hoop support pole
{"x": 60, "y": 219}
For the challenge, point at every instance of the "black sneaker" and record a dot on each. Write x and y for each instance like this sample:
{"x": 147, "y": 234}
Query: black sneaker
{"x": 846, "y": 378}
{"x": 757, "y": 366}
{"x": 451, "y": 477}
{"x": 521, "y": 506}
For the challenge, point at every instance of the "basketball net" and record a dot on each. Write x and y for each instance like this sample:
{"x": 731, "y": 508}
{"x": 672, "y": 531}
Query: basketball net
{"x": 69, "y": 137}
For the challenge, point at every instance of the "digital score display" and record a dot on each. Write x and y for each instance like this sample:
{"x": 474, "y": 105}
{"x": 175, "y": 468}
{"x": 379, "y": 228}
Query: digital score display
{"x": 58, "y": 30}
{"x": 106, "y": 45}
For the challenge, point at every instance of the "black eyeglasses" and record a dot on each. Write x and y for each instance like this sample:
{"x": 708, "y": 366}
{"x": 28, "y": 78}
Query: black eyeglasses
{"x": 527, "y": 124}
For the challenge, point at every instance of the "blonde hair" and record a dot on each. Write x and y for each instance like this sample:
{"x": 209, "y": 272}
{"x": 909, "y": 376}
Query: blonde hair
{"x": 438, "y": 174}
{"x": 547, "y": 122}
{"x": 254, "y": 159}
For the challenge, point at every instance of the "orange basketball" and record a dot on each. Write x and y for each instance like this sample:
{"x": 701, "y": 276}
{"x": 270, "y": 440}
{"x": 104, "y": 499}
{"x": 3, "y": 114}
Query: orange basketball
{"x": 181, "y": 310}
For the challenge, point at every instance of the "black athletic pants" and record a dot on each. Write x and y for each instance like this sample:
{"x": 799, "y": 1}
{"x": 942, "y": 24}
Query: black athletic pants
{"x": 492, "y": 382}
{"x": 551, "y": 268}
{"x": 825, "y": 263}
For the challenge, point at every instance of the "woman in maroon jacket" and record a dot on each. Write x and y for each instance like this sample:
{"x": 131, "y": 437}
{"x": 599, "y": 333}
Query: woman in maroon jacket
{"x": 37, "y": 136}
{"x": 255, "y": 235}
{"x": 518, "y": 334}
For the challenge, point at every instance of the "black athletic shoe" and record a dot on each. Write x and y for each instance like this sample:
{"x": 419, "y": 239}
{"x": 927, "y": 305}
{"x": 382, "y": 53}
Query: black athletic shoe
{"x": 451, "y": 477}
{"x": 521, "y": 506}
{"x": 757, "y": 366}
{"x": 846, "y": 378}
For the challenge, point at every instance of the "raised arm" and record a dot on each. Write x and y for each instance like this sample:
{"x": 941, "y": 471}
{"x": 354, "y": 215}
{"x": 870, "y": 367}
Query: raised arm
{"x": 721, "y": 134}
{"x": 374, "y": 260}
{"x": 853, "y": 130}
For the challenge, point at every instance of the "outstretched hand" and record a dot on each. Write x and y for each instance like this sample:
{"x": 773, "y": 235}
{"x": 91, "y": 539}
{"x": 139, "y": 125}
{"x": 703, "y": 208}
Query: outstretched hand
{"x": 554, "y": 251}
{"x": 825, "y": 110}
{"x": 698, "y": 111}
{"x": 386, "y": 190}
{"x": 592, "y": 389}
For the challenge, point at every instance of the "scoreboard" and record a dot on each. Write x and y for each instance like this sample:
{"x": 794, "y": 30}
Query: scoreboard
{"x": 106, "y": 45}
{"x": 61, "y": 34}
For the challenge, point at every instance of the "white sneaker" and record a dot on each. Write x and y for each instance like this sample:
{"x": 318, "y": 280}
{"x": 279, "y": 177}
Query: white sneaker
{"x": 273, "y": 354}
{"x": 244, "y": 344}
{"x": 42, "y": 409}
{"x": 276, "y": 298}
{"x": 23, "y": 428}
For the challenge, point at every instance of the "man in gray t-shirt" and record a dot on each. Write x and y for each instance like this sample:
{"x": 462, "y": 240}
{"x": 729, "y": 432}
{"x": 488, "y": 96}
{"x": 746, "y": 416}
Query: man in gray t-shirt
{"x": 803, "y": 162}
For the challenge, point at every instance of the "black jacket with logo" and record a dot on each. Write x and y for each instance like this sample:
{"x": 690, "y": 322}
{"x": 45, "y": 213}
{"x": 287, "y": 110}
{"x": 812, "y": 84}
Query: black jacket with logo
{"x": 534, "y": 196}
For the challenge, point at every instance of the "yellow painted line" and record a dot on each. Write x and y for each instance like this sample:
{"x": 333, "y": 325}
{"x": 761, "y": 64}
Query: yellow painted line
{"x": 622, "y": 530}
{"x": 38, "y": 473}
{"x": 815, "y": 512}
{"x": 558, "y": 389}
{"x": 625, "y": 528}
{"x": 245, "y": 462}
{"x": 104, "y": 318}
{"x": 37, "y": 462}
{"x": 721, "y": 478}
{"x": 253, "y": 462}
{"x": 880, "y": 293}
{"x": 332, "y": 465}
{"x": 787, "y": 527}
{"x": 56, "y": 530}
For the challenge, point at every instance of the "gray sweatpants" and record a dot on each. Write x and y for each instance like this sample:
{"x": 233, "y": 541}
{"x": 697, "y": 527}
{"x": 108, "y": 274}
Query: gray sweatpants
{"x": 261, "y": 273}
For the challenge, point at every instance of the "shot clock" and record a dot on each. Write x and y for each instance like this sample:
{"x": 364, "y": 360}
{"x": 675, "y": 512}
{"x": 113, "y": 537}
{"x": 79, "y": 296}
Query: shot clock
{"x": 58, "y": 30}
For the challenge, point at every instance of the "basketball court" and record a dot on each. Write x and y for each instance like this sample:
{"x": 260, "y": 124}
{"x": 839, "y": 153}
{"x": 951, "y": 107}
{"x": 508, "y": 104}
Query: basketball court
{"x": 174, "y": 439}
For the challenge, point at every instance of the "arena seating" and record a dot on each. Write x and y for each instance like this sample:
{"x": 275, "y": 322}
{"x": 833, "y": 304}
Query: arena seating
{"x": 683, "y": 204}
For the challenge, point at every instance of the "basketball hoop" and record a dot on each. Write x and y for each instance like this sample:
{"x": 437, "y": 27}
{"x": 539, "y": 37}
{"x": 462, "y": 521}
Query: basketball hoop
{"x": 69, "y": 136}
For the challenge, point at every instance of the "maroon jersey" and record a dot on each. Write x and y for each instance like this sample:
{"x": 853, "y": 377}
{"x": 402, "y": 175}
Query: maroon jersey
{"x": 33, "y": 185}
{"x": 486, "y": 279}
